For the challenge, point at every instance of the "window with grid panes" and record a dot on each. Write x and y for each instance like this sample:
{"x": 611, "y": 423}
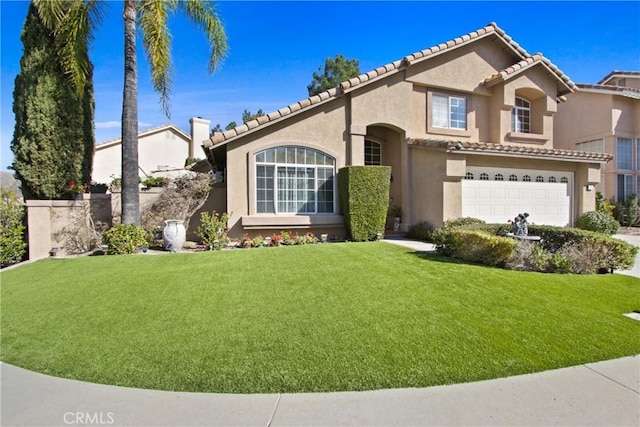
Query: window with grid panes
{"x": 294, "y": 180}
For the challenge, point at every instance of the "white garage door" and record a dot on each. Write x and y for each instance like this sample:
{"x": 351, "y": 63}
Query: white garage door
{"x": 498, "y": 195}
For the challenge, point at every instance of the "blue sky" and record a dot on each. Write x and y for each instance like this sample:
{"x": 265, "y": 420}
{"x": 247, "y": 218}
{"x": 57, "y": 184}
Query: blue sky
{"x": 276, "y": 46}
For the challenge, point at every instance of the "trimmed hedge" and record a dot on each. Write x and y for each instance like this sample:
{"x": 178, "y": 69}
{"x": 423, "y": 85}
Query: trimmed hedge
{"x": 476, "y": 246}
{"x": 364, "y": 200}
{"x": 561, "y": 250}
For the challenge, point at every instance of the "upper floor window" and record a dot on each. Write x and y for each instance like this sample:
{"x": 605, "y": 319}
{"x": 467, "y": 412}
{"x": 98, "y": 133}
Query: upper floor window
{"x": 593, "y": 146}
{"x": 521, "y": 116}
{"x": 625, "y": 187}
{"x": 372, "y": 153}
{"x": 624, "y": 153}
{"x": 294, "y": 180}
{"x": 449, "y": 112}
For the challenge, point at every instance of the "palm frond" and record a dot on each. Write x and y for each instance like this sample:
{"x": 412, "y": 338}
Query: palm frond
{"x": 72, "y": 23}
{"x": 204, "y": 15}
{"x": 156, "y": 39}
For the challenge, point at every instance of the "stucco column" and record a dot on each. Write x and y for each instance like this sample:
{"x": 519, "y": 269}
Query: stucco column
{"x": 405, "y": 184}
{"x": 587, "y": 179}
{"x": 356, "y": 141}
{"x": 39, "y": 228}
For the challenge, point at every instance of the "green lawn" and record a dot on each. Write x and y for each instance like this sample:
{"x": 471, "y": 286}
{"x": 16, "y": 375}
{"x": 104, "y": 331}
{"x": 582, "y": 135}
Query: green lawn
{"x": 351, "y": 316}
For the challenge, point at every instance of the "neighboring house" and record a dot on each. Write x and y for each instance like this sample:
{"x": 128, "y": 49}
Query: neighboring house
{"x": 467, "y": 127}
{"x": 605, "y": 118}
{"x": 162, "y": 151}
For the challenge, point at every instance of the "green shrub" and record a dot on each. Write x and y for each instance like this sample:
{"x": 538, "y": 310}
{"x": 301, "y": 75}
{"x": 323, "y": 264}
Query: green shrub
{"x": 602, "y": 205}
{"x": 421, "y": 231}
{"x": 597, "y": 221}
{"x": 12, "y": 244}
{"x": 462, "y": 222}
{"x": 155, "y": 181}
{"x": 561, "y": 250}
{"x": 628, "y": 212}
{"x": 479, "y": 246}
{"x": 213, "y": 230}
{"x": 124, "y": 239}
{"x": 554, "y": 238}
{"x": 364, "y": 199}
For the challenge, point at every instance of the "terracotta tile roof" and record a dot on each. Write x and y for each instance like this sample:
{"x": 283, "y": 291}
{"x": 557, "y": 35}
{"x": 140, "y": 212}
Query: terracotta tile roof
{"x": 525, "y": 64}
{"x": 520, "y": 151}
{"x": 629, "y": 92}
{"x": 383, "y": 71}
{"x": 145, "y": 132}
{"x": 619, "y": 73}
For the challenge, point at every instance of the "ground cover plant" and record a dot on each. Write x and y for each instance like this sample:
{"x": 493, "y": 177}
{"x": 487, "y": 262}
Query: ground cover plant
{"x": 324, "y": 317}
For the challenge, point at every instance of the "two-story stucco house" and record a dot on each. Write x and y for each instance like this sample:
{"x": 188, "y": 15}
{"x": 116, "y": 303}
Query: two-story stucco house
{"x": 605, "y": 118}
{"x": 467, "y": 127}
{"x": 162, "y": 151}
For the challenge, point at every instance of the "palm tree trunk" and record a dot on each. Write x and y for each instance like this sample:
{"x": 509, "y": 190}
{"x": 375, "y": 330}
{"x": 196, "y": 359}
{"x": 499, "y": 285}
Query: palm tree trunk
{"x": 130, "y": 195}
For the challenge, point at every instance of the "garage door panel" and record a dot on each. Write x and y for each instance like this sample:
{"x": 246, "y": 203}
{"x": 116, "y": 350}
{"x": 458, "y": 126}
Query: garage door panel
{"x": 499, "y": 201}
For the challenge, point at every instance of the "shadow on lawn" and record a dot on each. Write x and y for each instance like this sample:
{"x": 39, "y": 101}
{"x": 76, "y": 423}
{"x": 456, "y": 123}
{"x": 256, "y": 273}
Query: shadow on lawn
{"x": 436, "y": 257}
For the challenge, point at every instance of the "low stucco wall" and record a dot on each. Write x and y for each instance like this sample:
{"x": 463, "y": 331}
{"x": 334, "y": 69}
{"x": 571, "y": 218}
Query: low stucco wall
{"x": 69, "y": 225}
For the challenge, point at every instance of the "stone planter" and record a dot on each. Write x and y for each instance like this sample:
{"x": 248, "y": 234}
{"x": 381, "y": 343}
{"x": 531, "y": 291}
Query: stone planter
{"x": 174, "y": 235}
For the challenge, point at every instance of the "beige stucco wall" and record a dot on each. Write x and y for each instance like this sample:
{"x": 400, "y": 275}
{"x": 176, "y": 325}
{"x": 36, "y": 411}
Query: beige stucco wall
{"x": 587, "y": 116}
{"x": 395, "y": 108}
{"x": 68, "y": 224}
{"x": 163, "y": 148}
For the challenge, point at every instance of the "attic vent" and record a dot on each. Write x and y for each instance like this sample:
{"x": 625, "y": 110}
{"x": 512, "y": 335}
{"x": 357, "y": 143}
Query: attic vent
{"x": 171, "y": 135}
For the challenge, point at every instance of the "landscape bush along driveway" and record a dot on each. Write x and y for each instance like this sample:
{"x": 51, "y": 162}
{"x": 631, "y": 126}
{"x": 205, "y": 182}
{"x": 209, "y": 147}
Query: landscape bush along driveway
{"x": 329, "y": 317}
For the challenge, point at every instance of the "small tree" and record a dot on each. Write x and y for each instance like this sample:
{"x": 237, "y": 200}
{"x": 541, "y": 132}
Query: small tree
{"x": 336, "y": 71}
{"x": 53, "y": 141}
{"x": 12, "y": 244}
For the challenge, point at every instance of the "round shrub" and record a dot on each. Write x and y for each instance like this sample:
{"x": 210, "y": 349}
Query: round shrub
{"x": 421, "y": 231}
{"x": 597, "y": 221}
{"x": 124, "y": 239}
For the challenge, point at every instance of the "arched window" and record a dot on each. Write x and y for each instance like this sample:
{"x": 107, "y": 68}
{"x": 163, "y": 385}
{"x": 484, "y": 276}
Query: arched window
{"x": 521, "y": 116}
{"x": 484, "y": 177}
{"x": 552, "y": 179}
{"x": 539, "y": 178}
{"x": 564, "y": 180}
{"x": 526, "y": 178}
{"x": 294, "y": 180}
{"x": 468, "y": 175}
{"x": 372, "y": 153}
{"x": 498, "y": 177}
{"x": 513, "y": 177}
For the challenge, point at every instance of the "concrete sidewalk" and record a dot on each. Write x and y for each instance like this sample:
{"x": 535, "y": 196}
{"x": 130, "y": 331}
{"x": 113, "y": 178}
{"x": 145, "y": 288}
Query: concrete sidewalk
{"x": 598, "y": 394}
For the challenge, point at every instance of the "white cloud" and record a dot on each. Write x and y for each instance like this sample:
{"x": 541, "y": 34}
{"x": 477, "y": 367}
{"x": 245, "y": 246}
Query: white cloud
{"x": 108, "y": 125}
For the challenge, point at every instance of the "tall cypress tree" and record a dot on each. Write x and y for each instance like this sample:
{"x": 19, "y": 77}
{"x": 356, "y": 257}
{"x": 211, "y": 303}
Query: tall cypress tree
{"x": 53, "y": 140}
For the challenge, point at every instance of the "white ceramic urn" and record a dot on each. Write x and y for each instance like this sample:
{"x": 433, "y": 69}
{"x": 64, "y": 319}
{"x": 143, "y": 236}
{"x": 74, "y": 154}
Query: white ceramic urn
{"x": 174, "y": 235}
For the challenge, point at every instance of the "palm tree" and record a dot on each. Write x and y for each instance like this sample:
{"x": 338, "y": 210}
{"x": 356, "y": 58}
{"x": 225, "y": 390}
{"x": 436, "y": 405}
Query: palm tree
{"x": 71, "y": 20}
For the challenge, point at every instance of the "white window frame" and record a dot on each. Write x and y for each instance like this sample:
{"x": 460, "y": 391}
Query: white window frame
{"x": 521, "y": 116}
{"x": 445, "y": 114}
{"x": 287, "y": 177}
